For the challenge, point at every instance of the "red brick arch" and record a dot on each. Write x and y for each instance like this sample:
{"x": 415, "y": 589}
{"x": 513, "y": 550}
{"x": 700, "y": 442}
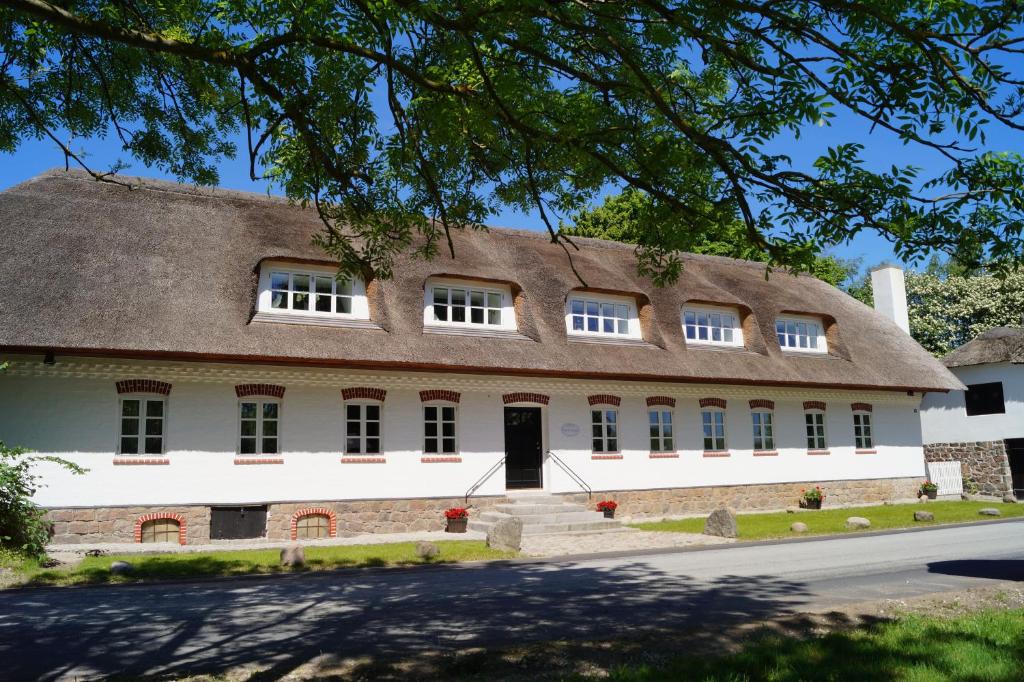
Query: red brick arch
{"x": 363, "y": 393}
{"x": 860, "y": 407}
{"x": 440, "y": 394}
{"x": 814, "y": 405}
{"x": 332, "y": 520}
{"x": 143, "y": 386}
{"x": 272, "y": 390}
{"x": 665, "y": 400}
{"x": 538, "y": 398}
{"x": 156, "y": 516}
{"x": 762, "y": 404}
{"x": 713, "y": 402}
{"x": 604, "y": 399}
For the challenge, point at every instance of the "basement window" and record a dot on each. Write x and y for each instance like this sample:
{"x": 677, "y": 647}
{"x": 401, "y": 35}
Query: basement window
{"x": 985, "y": 399}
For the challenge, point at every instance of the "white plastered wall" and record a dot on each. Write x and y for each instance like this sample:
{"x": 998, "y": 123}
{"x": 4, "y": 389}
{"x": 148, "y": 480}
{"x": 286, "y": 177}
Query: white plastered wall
{"x": 944, "y": 415}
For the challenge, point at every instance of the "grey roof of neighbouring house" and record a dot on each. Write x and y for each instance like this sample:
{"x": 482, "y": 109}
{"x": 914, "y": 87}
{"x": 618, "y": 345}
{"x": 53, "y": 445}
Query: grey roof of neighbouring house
{"x": 169, "y": 271}
{"x": 1002, "y": 344}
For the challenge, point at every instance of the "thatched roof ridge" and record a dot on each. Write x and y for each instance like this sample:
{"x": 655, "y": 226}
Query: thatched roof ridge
{"x": 1001, "y": 344}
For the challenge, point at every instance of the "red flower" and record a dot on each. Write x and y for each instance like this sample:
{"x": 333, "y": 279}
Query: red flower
{"x": 456, "y": 513}
{"x": 607, "y": 505}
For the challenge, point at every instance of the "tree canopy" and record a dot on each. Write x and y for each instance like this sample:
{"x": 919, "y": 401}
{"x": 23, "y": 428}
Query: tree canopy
{"x": 400, "y": 121}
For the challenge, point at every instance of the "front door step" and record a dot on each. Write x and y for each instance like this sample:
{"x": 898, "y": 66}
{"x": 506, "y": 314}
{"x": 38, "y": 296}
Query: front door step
{"x": 545, "y": 514}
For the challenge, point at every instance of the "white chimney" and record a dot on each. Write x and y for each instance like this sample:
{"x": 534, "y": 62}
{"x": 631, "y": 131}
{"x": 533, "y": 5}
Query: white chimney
{"x": 890, "y": 293}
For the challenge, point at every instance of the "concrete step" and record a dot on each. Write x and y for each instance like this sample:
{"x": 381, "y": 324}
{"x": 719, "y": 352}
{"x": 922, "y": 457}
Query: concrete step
{"x": 591, "y": 526}
{"x": 535, "y": 509}
{"x": 567, "y": 516}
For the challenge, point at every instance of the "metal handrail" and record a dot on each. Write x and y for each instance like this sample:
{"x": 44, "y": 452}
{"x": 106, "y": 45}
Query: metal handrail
{"x": 572, "y": 474}
{"x": 483, "y": 479}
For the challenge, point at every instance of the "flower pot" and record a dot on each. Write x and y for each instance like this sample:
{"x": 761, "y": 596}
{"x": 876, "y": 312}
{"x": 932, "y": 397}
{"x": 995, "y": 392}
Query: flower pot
{"x": 810, "y": 504}
{"x": 609, "y": 513}
{"x": 456, "y": 525}
{"x": 931, "y": 494}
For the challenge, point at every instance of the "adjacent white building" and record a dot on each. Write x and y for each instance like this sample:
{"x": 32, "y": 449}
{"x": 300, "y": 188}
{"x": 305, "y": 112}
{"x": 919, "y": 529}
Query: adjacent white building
{"x": 200, "y": 357}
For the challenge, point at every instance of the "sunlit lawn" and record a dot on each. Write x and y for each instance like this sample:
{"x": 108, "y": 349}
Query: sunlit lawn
{"x": 827, "y": 521}
{"x": 205, "y": 564}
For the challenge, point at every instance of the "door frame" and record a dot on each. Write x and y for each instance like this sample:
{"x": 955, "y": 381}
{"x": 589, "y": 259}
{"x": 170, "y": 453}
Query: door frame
{"x": 544, "y": 464}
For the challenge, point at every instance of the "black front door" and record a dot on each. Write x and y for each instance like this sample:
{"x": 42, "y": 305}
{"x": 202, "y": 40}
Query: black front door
{"x": 523, "y": 450}
{"x": 1015, "y": 453}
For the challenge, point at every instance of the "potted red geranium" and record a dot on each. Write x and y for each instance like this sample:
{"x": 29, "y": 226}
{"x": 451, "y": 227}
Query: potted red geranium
{"x": 929, "y": 490}
{"x": 608, "y": 507}
{"x": 456, "y": 518}
{"x": 812, "y": 499}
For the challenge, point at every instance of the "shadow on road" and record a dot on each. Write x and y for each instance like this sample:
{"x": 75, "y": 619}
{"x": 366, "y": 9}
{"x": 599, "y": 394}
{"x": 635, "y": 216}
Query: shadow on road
{"x": 282, "y": 624}
{"x": 994, "y": 569}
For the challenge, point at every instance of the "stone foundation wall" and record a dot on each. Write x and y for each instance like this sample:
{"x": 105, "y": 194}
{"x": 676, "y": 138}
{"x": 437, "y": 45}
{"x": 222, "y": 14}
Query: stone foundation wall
{"x": 117, "y": 524}
{"x": 669, "y": 502}
{"x": 984, "y": 461}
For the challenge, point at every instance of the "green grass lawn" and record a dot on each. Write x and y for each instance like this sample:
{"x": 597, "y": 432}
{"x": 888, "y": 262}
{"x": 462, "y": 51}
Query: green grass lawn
{"x": 985, "y": 646}
{"x": 828, "y": 521}
{"x": 93, "y": 570}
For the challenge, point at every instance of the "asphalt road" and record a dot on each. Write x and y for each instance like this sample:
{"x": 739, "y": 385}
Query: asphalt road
{"x": 282, "y": 622}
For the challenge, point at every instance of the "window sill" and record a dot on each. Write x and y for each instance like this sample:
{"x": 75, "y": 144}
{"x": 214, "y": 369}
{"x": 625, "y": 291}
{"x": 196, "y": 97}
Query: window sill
{"x": 362, "y": 460}
{"x": 605, "y": 455}
{"x": 868, "y": 451}
{"x": 122, "y": 460}
{"x": 766, "y": 453}
{"x": 717, "y": 453}
{"x": 487, "y": 332}
{"x": 259, "y": 460}
{"x": 315, "y": 320}
{"x": 441, "y": 460}
{"x": 664, "y": 455}
{"x": 609, "y": 340}
{"x": 819, "y": 452}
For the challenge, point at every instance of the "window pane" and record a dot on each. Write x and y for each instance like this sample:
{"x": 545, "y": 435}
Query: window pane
{"x": 279, "y": 280}
{"x": 325, "y": 285}
{"x": 448, "y": 413}
{"x": 129, "y": 427}
{"x": 270, "y": 428}
{"x": 372, "y": 428}
{"x": 353, "y": 411}
{"x": 154, "y": 408}
{"x": 130, "y": 408}
{"x": 373, "y": 446}
{"x": 270, "y": 410}
{"x": 476, "y": 315}
{"x": 655, "y": 445}
{"x": 655, "y": 431}
{"x": 623, "y": 326}
{"x": 430, "y": 445}
{"x": 343, "y": 287}
{"x": 248, "y": 427}
{"x": 607, "y": 310}
{"x": 440, "y": 295}
{"x": 592, "y": 308}
{"x": 300, "y": 283}
{"x": 129, "y": 446}
{"x": 248, "y": 446}
{"x": 154, "y": 427}
{"x": 248, "y": 410}
{"x": 270, "y": 446}
{"x": 668, "y": 444}
{"x": 441, "y": 313}
{"x": 597, "y": 431}
{"x": 430, "y": 412}
{"x": 476, "y": 298}
{"x": 613, "y": 445}
{"x": 323, "y": 303}
{"x": 279, "y": 299}
{"x": 597, "y": 445}
{"x": 430, "y": 429}
{"x": 576, "y": 306}
{"x": 609, "y": 326}
{"x": 458, "y": 314}
{"x": 592, "y": 324}
{"x": 448, "y": 429}
{"x": 493, "y": 300}
{"x": 622, "y": 312}
{"x": 373, "y": 412}
{"x": 154, "y": 446}
{"x": 449, "y": 445}
{"x": 300, "y": 301}
{"x": 577, "y": 323}
{"x": 610, "y": 416}
{"x": 494, "y": 317}
{"x": 352, "y": 445}
{"x": 344, "y": 305}
{"x": 458, "y": 297}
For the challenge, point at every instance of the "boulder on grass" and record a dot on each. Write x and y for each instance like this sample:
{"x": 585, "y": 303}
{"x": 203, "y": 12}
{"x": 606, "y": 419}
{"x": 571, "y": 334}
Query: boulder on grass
{"x": 857, "y": 523}
{"x": 427, "y": 550}
{"x": 990, "y": 511}
{"x": 923, "y": 516}
{"x": 721, "y": 522}
{"x": 506, "y": 535}
{"x": 121, "y": 568}
{"x": 1010, "y": 499}
{"x": 798, "y": 527}
{"x": 293, "y": 556}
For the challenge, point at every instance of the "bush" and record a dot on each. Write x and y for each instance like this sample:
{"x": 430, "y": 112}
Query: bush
{"x": 23, "y": 525}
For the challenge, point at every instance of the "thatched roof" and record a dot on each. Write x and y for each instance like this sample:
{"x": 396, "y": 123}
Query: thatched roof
{"x": 1002, "y": 344}
{"x": 170, "y": 271}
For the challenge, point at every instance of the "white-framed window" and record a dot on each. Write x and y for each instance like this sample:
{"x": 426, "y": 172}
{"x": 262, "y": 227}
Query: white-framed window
{"x": 453, "y": 303}
{"x": 362, "y": 428}
{"x": 315, "y": 291}
{"x": 713, "y": 425}
{"x": 862, "y": 430}
{"x": 814, "y": 420}
{"x": 602, "y": 316}
{"x": 662, "y": 434}
{"x": 258, "y": 432}
{"x": 712, "y": 326}
{"x": 605, "y": 429}
{"x": 440, "y": 429}
{"x": 764, "y": 430}
{"x": 801, "y": 334}
{"x": 142, "y": 425}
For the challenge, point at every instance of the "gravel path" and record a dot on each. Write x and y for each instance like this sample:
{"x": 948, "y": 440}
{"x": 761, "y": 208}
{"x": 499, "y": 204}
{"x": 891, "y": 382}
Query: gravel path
{"x": 623, "y": 541}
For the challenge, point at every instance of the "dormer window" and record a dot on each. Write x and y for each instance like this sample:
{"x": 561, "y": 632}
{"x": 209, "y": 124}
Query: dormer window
{"x": 310, "y": 294}
{"x": 458, "y": 306}
{"x": 602, "y": 316}
{"x": 712, "y": 326}
{"x": 803, "y": 334}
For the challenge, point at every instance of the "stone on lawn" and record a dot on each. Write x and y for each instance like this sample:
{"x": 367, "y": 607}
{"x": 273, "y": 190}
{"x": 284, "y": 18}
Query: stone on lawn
{"x": 721, "y": 522}
{"x": 923, "y": 516}
{"x": 121, "y": 567}
{"x": 294, "y": 556}
{"x": 798, "y": 527}
{"x": 791, "y": 510}
{"x": 506, "y": 535}
{"x": 1010, "y": 499}
{"x": 857, "y": 522}
{"x": 990, "y": 511}
{"x": 427, "y": 550}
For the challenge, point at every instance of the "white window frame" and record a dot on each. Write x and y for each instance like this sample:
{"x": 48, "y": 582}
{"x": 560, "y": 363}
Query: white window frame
{"x": 609, "y": 429}
{"x": 508, "y": 313}
{"x": 758, "y": 429}
{"x": 260, "y": 436}
{"x": 360, "y": 308}
{"x": 440, "y": 437}
{"x": 656, "y": 428}
{"x": 363, "y": 421}
{"x": 794, "y": 322}
{"x": 601, "y": 300}
{"x": 714, "y": 437}
{"x": 140, "y": 437}
{"x": 863, "y": 433}
{"x": 817, "y": 444}
{"x": 709, "y": 312}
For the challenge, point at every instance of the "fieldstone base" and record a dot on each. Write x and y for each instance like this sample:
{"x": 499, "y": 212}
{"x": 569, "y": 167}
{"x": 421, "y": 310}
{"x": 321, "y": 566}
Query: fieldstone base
{"x": 117, "y": 524}
{"x": 983, "y": 461}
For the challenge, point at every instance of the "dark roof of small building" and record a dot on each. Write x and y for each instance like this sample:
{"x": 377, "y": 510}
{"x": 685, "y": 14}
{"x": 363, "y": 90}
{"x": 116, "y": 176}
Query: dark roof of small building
{"x": 170, "y": 271}
{"x": 1001, "y": 344}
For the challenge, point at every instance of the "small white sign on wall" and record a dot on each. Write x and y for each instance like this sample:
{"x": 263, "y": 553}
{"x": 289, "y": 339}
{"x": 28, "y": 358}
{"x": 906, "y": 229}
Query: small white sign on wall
{"x": 570, "y": 430}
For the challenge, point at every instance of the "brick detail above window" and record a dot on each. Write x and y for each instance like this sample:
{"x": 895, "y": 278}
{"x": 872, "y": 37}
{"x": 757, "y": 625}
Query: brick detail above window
{"x": 440, "y": 394}
{"x": 762, "y": 404}
{"x": 538, "y": 398}
{"x": 156, "y": 517}
{"x": 860, "y": 407}
{"x": 332, "y": 520}
{"x": 814, "y": 405}
{"x": 665, "y": 400}
{"x": 604, "y": 399}
{"x": 713, "y": 402}
{"x": 271, "y": 390}
{"x": 143, "y": 386}
{"x": 363, "y": 393}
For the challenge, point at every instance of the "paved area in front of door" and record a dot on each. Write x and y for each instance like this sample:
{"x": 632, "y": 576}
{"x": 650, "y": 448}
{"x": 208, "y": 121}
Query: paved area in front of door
{"x": 618, "y": 541}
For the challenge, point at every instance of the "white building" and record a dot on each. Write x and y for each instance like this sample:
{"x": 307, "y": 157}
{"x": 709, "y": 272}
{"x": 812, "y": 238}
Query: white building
{"x": 194, "y": 351}
{"x": 982, "y": 427}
